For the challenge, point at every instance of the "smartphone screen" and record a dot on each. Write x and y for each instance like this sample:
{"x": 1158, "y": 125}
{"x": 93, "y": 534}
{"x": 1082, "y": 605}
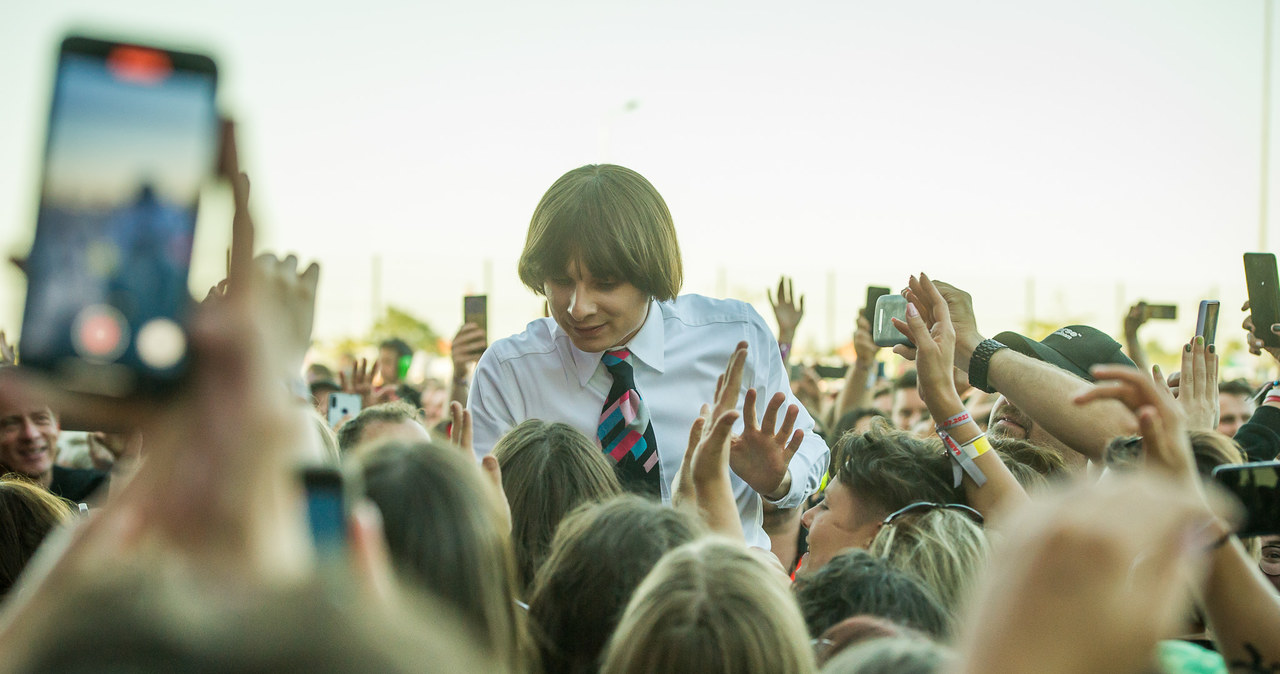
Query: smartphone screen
{"x": 1166, "y": 312}
{"x": 132, "y": 137}
{"x": 326, "y": 510}
{"x": 475, "y": 309}
{"x": 1207, "y": 320}
{"x": 1257, "y": 486}
{"x": 1264, "y": 296}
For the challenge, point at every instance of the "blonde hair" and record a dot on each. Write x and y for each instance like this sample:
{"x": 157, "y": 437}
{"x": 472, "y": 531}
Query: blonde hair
{"x": 611, "y": 220}
{"x": 710, "y": 606}
{"x": 944, "y": 548}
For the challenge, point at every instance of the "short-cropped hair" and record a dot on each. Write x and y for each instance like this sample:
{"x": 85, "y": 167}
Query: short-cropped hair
{"x": 548, "y": 469}
{"x": 351, "y": 434}
{"x": 890, "y": 469}
{"x": 612, "y": 221}
{"x": 893, "y": 655}
{"x": 857, "y": 583}
{"x": 710, "y": 606}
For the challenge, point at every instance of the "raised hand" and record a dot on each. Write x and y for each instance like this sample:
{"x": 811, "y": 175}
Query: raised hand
{"x": 786, "y": 311}
{"x": 929, "y": 327}
{"x": 1255, "y": 343}
{"x": 466, "y": 348}
{"x": 8, "y": 354}
{"x": 864, "y": 345}
{"x": 1135, "y": 318}
{"x": 460, "y": 428}
{"x": 760, "y": 455}
{"x": 1157, "y": 416}
{"x": 361, "y": 381}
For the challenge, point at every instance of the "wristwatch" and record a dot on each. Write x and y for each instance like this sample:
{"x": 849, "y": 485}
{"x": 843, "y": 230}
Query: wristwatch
{"x": 979, "y": 361}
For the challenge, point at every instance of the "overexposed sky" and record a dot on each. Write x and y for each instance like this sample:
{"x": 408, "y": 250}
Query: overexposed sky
{"x": 1108, "y": 148}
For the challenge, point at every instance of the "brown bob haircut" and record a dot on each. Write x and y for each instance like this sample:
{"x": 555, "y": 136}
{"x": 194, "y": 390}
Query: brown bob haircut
{"x": 610, "y": 220}
{"x": 28, "y": 512}
{"x": 548, "y": 469}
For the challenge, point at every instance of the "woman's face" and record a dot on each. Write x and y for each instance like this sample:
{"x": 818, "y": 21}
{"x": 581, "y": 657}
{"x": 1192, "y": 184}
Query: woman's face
{"x": 1270, "y": 563}
{"x": 596, "y": 313}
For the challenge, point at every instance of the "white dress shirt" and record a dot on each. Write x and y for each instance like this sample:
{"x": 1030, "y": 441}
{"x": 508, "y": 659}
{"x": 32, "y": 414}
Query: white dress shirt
{"x": 676, "y": 356}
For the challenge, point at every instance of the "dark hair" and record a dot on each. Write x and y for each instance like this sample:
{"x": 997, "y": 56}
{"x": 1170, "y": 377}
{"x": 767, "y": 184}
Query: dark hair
{"x": 548, "y": 469}
{"x": 614, "y": 222}
{"x": 851, "y": 419}
{"x": 598, "y": 557}
{"x": 351, "y": 434}
{"x": 398, "y": 345}
{"x": 28, "y": 512}
{"x": 890, "y": 469}
{"x": 909, "y": 379}
{"x": 855, "y": 583}
{"x": 409, "y": 395}
{"x": 445, "y": 533}
{"x": 1236, "y": 387}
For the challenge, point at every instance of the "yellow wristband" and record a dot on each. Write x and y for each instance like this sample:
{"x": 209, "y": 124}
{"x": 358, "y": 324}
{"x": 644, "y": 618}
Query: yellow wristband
{"x": 976, "y": 447}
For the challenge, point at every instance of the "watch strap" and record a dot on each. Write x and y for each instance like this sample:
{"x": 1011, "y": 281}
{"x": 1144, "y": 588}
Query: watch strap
{"x": 979, "y": 362}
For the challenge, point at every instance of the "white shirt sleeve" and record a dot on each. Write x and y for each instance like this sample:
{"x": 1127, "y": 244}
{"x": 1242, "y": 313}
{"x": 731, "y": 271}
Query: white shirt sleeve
{"x": 810, "y": 461}
{"x": 490, "y": 404}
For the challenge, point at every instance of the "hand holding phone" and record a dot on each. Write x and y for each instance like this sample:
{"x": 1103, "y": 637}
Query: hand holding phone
{"x": 343, "y": 406}
{"x": 475, "y": 310}
{"x": 1207, "y": 321}
{"x": 1264, "y": 296}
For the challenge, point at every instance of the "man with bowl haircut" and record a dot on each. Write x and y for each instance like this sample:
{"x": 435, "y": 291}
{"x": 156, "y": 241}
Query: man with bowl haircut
{"x": 628, "y": 362}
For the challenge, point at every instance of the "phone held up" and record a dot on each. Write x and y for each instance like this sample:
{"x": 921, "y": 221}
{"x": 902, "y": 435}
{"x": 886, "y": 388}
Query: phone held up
{"x": 329, "y": 493}
{"x": 1257, "y": 487}
{"x": 132, "y": 138}
{"x": 883, "y": 331}
{"x": 343, "y": 406}
{"x": 475, "y": 310}
{"x": 1207, "y": 321}
{"x": 1264, "y": 295}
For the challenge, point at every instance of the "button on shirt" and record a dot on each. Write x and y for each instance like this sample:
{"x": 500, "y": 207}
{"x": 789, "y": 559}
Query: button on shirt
{"x": 681, "y": 349}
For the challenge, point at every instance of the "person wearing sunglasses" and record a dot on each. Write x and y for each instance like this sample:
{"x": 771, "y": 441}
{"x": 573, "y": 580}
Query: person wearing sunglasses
{"x": 942, "y": 544}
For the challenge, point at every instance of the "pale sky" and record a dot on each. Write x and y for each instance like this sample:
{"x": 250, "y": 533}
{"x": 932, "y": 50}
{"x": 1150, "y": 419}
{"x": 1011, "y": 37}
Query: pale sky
{"x": 1109, "y": 148}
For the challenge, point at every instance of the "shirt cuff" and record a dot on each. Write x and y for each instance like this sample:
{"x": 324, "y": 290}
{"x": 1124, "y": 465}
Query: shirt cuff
{"x": 799, "y": 485}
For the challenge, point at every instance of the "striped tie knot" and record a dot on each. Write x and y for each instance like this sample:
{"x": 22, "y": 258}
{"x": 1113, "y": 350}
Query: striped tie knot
{"x": 625, "y": 432}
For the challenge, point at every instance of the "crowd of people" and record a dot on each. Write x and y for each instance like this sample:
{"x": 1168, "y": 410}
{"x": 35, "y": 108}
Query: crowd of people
{"x": 637, "y": 483}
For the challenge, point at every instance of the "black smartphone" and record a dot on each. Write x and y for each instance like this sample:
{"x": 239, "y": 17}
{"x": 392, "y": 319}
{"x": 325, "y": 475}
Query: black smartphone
{"x": 132, "y": 137}
{"x": 883, "y": 331}
{"x": 869, "y": 309}
{"x": 1264, "y": 298}
{"x": 1257, "y": 486}
{"x": 475, "y": 309}
{"x": 1207, "y": 320}
{"x": 1164, "y": 312}
{"x": 327, "y": 511}
{"x": 831, "y": 371}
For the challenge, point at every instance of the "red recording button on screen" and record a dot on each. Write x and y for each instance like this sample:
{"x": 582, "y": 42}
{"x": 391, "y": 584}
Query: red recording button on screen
{"x": 136, "y": 64}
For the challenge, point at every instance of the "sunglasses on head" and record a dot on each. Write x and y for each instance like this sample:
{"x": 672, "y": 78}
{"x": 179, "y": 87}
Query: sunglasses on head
{"x": 925, "y": 506}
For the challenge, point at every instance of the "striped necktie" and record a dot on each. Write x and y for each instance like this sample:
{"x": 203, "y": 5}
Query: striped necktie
{"x": 625, "y": 432}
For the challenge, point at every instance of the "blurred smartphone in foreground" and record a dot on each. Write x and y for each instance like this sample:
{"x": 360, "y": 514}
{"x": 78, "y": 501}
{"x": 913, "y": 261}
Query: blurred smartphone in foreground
{"x": 883, "y": 331}
{"x": 475, "y": 309}
{"x": 1264, "y": 296}
{"x": 874, "y": 293}
{"x": 1207, "y": 320}
{"x": 1257, "y": 487}
{"x": 343, "y": 405}
{"x": 327, "y": 509}
{"x": 132, "y": 137}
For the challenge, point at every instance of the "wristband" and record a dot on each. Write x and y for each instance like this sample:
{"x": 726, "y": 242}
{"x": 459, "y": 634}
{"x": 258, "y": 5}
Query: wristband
{"x": 979, "y": 361}
{"x": 955, "y": 422}
{"x": 1273, "y": 396}
{"x": 976, "y": 447}
{"x": 785, "y": 349}
{"x": 961, "y": 463}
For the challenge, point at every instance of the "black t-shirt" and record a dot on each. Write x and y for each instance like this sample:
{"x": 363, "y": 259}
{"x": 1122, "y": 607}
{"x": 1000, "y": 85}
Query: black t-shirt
{"x": 76, "y": 484}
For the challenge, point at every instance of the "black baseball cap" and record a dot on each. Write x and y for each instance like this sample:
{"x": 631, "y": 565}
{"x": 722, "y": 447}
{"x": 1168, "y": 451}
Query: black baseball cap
{"x": 1075, "y": 348}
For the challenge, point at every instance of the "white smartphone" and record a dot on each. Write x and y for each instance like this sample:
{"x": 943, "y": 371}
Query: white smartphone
{"x": 343, "y": 406}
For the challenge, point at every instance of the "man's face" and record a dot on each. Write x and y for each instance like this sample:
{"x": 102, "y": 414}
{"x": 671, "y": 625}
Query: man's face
{"x": 596, "y": 313}
{"x": 1007, "y": 421}
{"x": 389, "y": 365}
{"x": 839, "y": 522}
{"x": 1235, "y": 410}
{"x": 28, "y": 441}
{"x": 1270, "y": 563}
{"x": 908, "y": 409}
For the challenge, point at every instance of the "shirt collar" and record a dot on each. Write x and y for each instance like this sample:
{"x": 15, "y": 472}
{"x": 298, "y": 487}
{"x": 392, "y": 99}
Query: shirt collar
{"x": 648, "y": 347}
